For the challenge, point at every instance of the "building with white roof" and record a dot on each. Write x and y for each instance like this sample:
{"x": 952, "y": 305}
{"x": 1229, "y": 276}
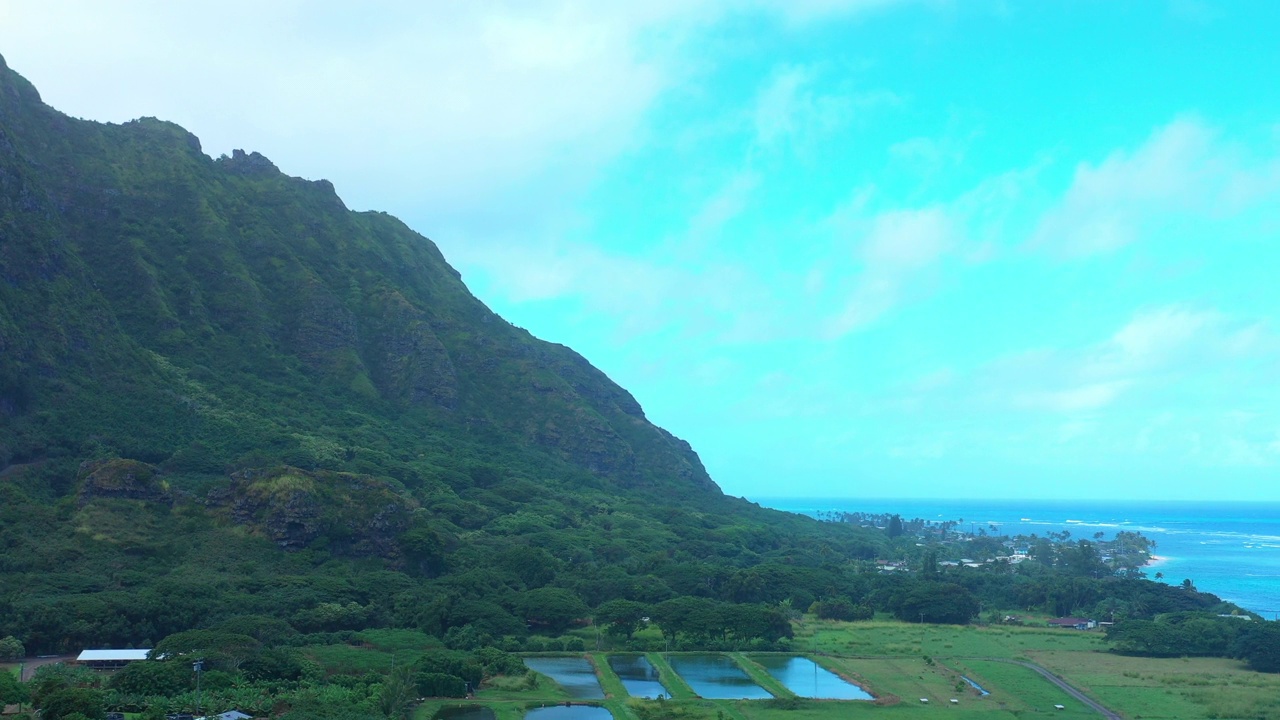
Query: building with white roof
{"x": 112, "y": 658}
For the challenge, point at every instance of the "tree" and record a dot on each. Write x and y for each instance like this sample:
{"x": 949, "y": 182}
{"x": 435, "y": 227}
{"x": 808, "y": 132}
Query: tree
{"x": 61, "y": 705}
{"x": 12, "y": 692}
{"x": 929, "y": 566}
{"x": 227, "y": 649}
{"x": 11, "y": 649}
{"x": 1259, "y": 646}
{"x": 895, "y": 526}
{"x": 534, "y": 566}
{"x": 153, "y": 677}
{"x": 431, "y": 684}
{"x": 747, "y": 621}
{"x": 1083, "y": 560}
{"x": 936, "y": 602}
{"x": 552, "y": 608}
{"x": 692, "y": 616}
{"x": 267, "y": 630}
{"x": 423, "y": 549}
{"x": 1044, "y": 552}
{"x": 396, "y": 695}
{"x": 622, "y": 616}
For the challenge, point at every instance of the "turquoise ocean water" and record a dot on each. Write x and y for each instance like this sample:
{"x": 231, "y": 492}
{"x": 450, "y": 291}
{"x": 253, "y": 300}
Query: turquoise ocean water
{"x": 1229, "y": 549}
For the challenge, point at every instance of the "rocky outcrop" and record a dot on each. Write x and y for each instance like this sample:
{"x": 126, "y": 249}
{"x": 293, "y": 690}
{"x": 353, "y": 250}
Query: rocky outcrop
{"x": 120, "y": 478}
{"x": 344, "y": 513}
{"x": 242, "y": 163}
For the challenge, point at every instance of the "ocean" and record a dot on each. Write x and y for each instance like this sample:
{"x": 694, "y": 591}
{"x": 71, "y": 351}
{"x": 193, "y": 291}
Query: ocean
{"x": 1229, "y": 549}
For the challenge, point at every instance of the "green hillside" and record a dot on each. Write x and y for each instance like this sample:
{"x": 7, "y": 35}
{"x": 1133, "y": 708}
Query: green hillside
{"x": 224, "y": 393}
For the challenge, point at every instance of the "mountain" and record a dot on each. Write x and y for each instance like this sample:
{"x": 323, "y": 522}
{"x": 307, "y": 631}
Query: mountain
{"x": 222, "y": 391}
{"x": 165, "y": 306}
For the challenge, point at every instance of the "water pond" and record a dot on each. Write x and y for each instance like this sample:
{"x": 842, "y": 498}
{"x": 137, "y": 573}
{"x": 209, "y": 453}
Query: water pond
{"x": 975, "y": 686}
{"x": 568, "y": 712}
{"x": 717, "y": 677}
{"x": 464, "y": 712}
{"x": 574, "y": 674}
{"x": 638, "y": 676}
{"x": 806, "y": 678}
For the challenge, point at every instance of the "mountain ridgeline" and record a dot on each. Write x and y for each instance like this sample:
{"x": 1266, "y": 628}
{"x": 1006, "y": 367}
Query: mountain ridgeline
{"x": 197, "y": 313}
{"x": 224, "y": 393}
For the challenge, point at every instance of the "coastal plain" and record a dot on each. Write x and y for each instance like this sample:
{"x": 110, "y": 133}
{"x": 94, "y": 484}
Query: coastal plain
{"x": 902, "y": 663}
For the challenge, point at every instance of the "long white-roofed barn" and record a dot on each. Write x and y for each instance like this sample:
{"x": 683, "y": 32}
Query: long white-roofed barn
{"x": 110, "y": 659}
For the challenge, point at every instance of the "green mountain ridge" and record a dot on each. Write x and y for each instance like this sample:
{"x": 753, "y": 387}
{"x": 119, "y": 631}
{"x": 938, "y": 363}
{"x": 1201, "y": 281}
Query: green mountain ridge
{"x": 135, "y": 266}
{"x": 224, "y": 393}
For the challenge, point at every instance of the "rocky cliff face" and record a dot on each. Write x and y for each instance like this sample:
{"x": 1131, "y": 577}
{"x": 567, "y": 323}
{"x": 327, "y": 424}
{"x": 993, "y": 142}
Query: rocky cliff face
{"x": 210, "y": 315}
{"x": 355, "y": 515}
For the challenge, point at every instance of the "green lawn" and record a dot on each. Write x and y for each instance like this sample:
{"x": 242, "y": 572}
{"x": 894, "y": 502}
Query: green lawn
{"x": 881, "y": 637}
{"x": 1021, "y": 689}
{"x": 1175, "y": 688}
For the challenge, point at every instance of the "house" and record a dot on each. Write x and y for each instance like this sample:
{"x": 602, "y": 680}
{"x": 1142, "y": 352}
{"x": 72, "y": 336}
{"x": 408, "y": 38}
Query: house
{"x": 110, "y": 659}
{"x": 228, "y": 715}
{"x": 1071, "y": 622}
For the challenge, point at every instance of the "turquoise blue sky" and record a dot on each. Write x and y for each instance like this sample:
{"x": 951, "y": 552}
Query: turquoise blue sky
{"x": 876, "y": 248}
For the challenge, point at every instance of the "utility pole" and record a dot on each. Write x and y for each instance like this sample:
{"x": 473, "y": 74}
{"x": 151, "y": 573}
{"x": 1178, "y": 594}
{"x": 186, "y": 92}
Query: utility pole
{"x": 199, "y": 668}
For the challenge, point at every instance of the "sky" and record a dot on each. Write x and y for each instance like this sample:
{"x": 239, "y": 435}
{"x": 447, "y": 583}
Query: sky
{"x": 846, "y": 248}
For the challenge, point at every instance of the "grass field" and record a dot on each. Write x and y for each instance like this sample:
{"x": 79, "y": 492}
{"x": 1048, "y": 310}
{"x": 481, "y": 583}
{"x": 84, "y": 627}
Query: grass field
{"x": 1176, "y": 688}
{"x": 889, "y": 638}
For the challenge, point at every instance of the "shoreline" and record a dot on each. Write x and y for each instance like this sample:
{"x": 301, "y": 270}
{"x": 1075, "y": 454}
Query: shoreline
{"x": 1156, "y": 560}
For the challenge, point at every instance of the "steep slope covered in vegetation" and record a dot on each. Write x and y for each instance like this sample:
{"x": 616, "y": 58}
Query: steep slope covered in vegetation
{"x": 176, "y": 309}
{"x": 224, "y": 393}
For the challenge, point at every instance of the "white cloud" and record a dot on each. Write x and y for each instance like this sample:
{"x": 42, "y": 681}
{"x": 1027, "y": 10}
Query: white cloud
{"x": 1091, "y": 396}
{"x": 905, "y": 240}
{"x": 899, "y": 245}
{"x": 1170, "y": 384}
{"x": 778, "y": 105}
{"x": 1182, "y": 171}
{"x": 792, "y": 114}
{"x": 441, "y": 107}
{"x": 723, "y": 206}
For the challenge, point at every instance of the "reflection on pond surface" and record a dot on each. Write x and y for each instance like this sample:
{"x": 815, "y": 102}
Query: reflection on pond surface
{"x": 806, "y": 678}
{"x": 464, "y": 712}
{"x": 638, "y": 676}
{"x": 574, "y": 674}
{"x": 717, "y": 677}
{"x": 568, "y": 712}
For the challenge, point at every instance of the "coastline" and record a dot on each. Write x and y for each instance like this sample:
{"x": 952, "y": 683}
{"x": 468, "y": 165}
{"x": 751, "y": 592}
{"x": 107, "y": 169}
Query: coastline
{"x": 1226, "y": 548}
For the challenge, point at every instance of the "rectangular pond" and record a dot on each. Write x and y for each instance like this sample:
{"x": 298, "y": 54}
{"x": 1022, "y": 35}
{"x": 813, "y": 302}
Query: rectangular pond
{"x": 807, "y": 678}
{"x": 717, "y": 677}
{"x": 574, "y": 674}
{"x": 464, "y": 712}
{"x": 568, "y": 712}
{"x": 638, "y": 676}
